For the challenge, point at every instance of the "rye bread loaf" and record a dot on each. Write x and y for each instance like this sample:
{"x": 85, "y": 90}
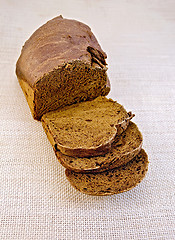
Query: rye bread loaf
{"x": 113, "y": 181}
{"x": 60, "y": 64}
{"x": 87, "y": 128}
{"x": 124, "y": 148}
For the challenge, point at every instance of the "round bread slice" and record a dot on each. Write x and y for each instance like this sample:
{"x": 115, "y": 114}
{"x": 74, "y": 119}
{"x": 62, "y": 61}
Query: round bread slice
{"x": 113, "y": 181}
{"x": 87, "y": 128}
{"x": 124, "y": 148}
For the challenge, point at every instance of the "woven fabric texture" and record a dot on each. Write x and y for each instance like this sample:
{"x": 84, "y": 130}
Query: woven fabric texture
{"x": 36, "y": 200}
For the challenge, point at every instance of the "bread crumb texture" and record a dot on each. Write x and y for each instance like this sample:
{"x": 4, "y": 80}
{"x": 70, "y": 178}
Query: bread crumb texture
{"x": 124, "y": 148}
{"x": 87, "y": 126}
{"x": 113, "y": 181}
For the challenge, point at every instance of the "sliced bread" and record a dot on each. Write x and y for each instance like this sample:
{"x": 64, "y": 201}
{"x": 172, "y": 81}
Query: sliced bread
{"x": 124, "y": 148}
{"x": 113, "y": 181}
{"x": 87, "y": 128}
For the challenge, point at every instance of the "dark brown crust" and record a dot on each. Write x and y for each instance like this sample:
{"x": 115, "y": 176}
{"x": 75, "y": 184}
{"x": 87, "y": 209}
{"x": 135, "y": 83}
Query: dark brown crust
{"x": 57, "y": 42}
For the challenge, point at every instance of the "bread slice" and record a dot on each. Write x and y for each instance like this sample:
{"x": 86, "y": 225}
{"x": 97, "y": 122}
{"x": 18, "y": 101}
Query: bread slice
{"x": 124, "y": 148}
{"x": 87, "y": 128}
{"x": 60, "y": 64}
{"x": 113, "y": 181}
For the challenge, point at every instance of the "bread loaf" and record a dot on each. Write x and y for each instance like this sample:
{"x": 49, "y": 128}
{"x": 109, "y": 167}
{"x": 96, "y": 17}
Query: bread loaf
{"x": 62, "y": 72}
{"x": 113, "y": 181}
{"x": 124, "y": 148}
{"x": 87, "y": 128}
{"x": 60, "y": 64}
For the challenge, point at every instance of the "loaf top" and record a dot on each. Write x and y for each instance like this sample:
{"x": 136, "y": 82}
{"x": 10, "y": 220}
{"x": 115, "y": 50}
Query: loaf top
{"x": 86, "y": 128}
{"x": 55, "y": 44}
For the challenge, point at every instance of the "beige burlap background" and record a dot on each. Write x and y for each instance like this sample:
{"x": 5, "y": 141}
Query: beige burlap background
{"x": 36, "y": 200}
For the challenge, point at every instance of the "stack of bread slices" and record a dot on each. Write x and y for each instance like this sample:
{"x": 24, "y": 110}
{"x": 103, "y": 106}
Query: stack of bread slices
{"x": 62, "y": 72}
{"x": 98, "y": 145}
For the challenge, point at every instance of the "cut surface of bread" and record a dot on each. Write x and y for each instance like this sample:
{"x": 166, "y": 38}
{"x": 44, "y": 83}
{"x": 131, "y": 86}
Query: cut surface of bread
{"x": 61, "y": 63}
{"x": 113, "y": 181}
{"x": 87, "y": 128}
{"x": 124, "y": 148}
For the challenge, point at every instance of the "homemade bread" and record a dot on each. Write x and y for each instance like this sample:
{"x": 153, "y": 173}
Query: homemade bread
{"x": 124, "y": 148}
{"x": 113, "y": 181}
{"x": 62, "y": 72}
{"x": 60, "y": 64}
{"x": 87, "y": 128}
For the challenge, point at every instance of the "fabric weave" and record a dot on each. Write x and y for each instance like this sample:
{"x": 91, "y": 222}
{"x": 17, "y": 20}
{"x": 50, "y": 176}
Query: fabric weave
{"x": 36, "y": 200}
